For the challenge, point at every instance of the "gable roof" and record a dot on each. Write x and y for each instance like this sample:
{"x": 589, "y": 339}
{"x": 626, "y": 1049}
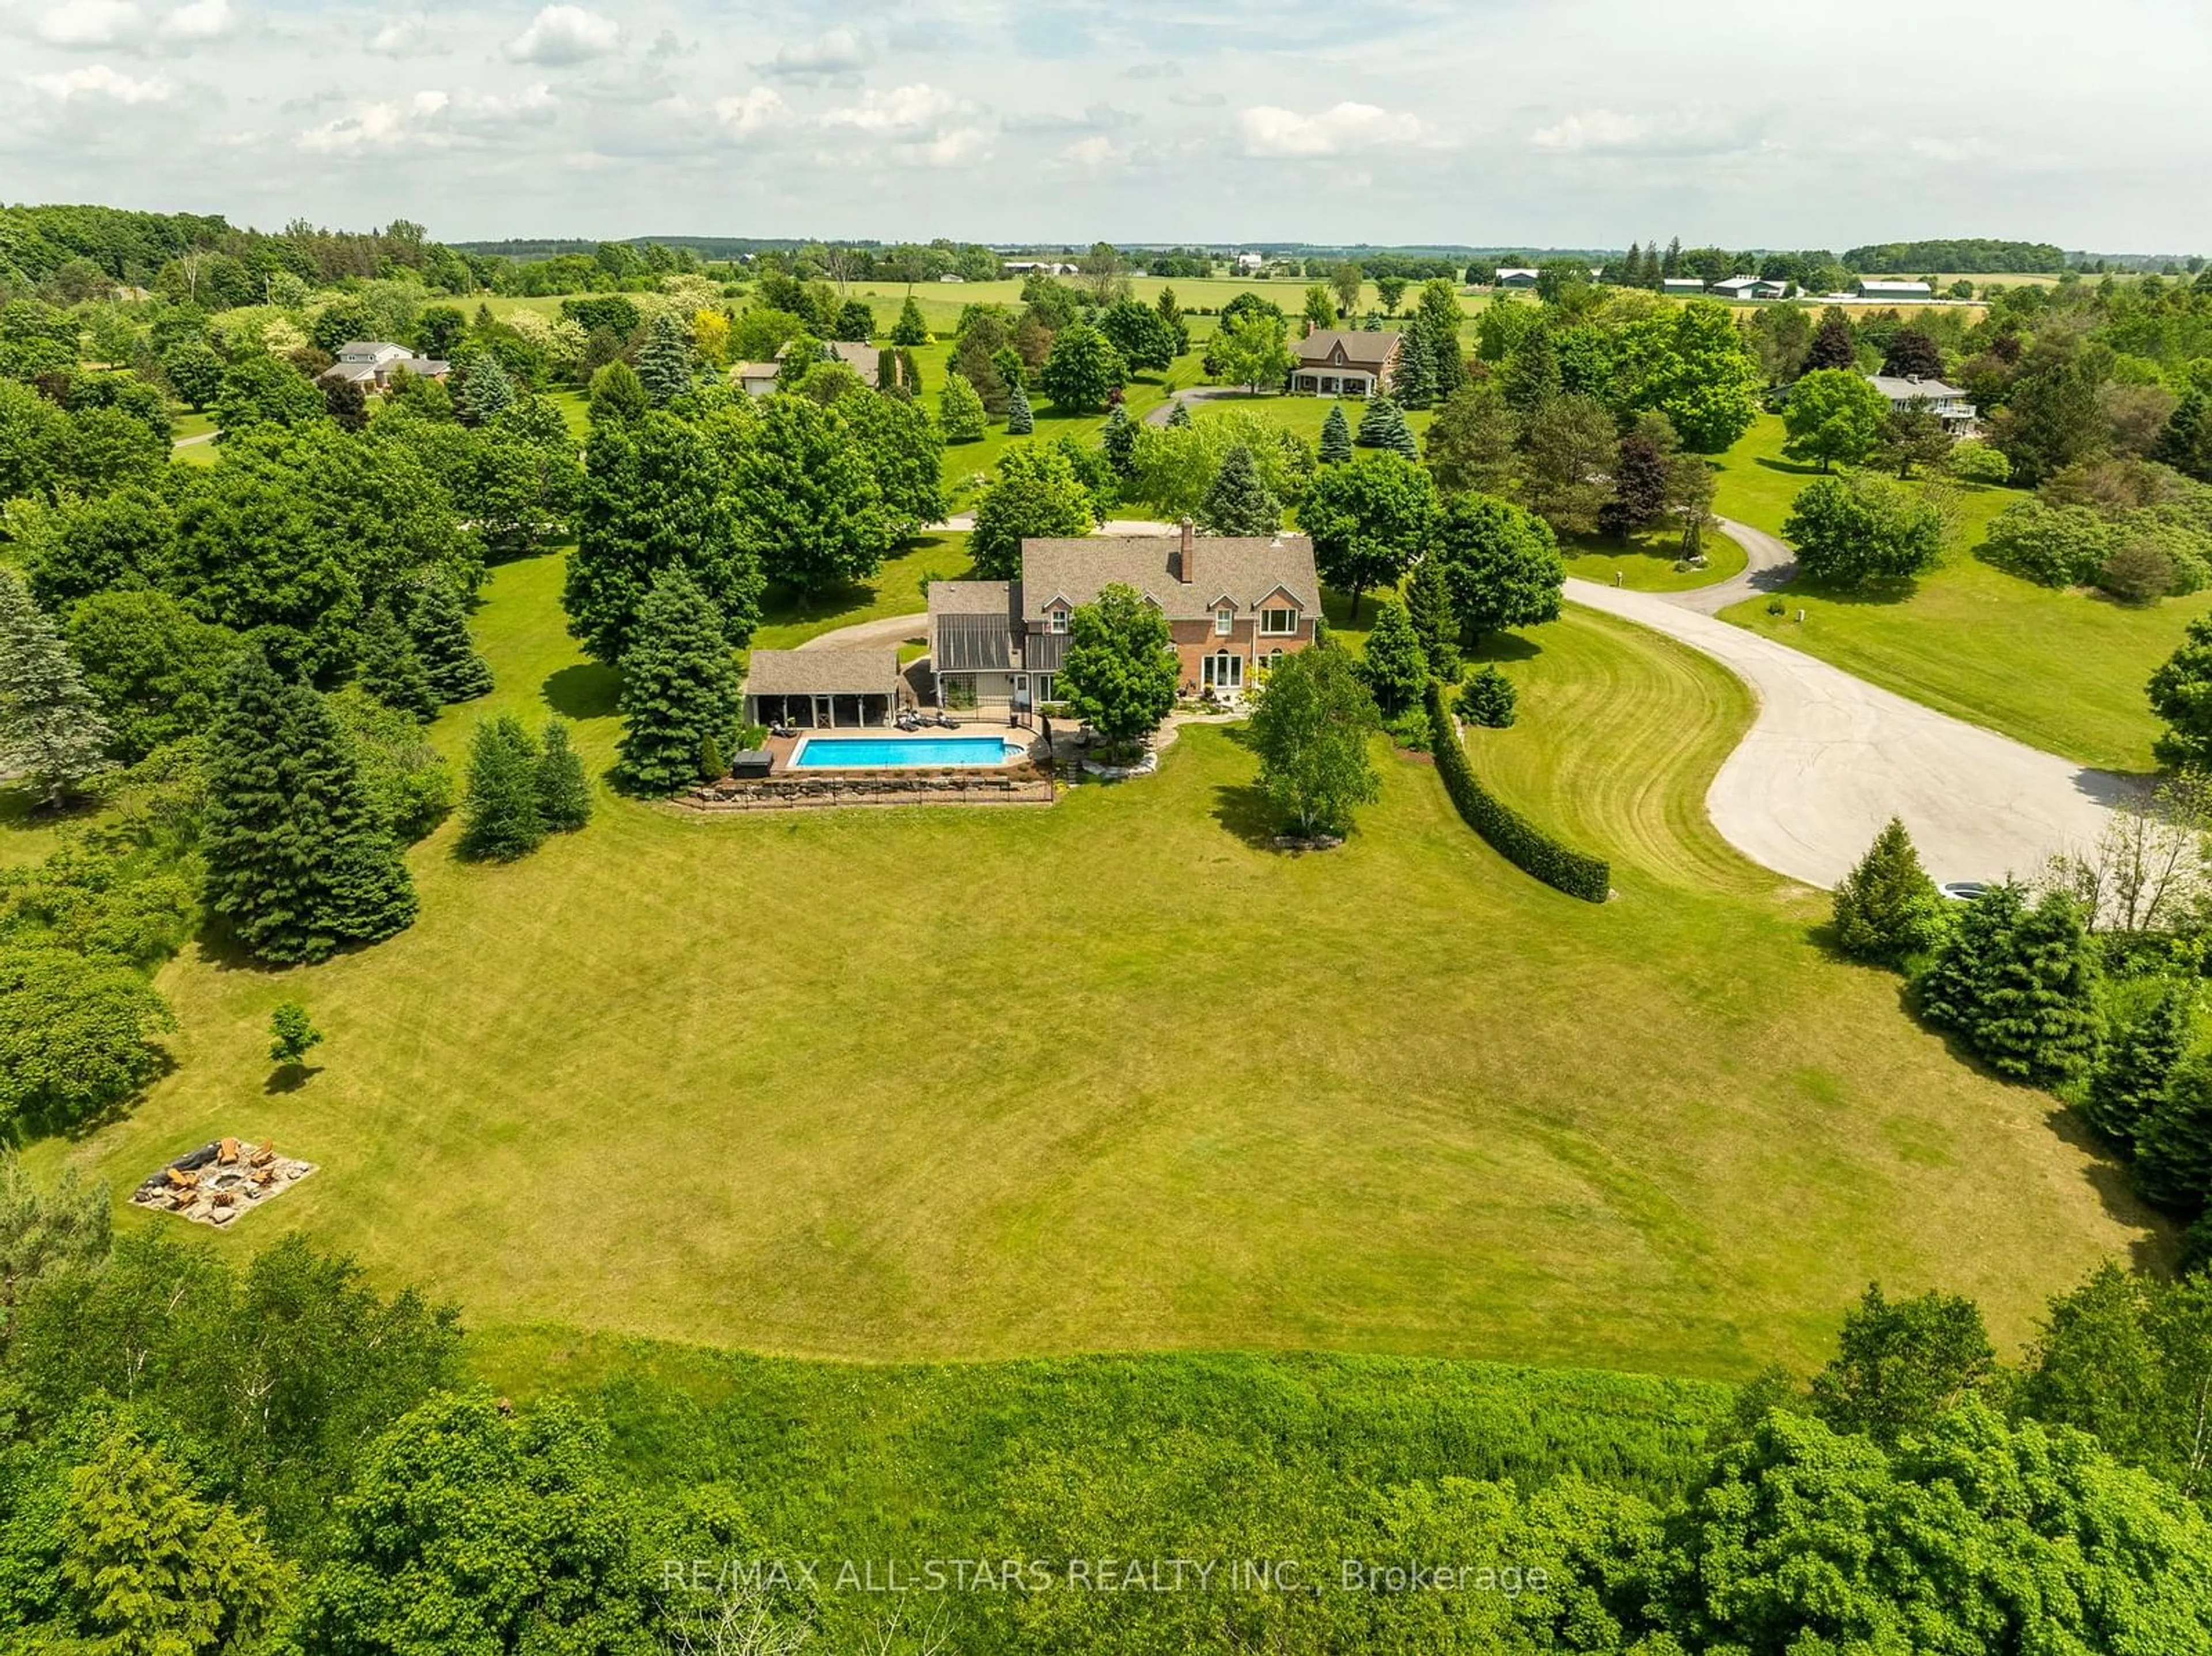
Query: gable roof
{"x": 1899, "y": 288}
{"x": 1735, "y": 284}
{"x": 1907, "y": 389}
{"x": 1347, "y": 347}
{"x": 1246, "y": 569}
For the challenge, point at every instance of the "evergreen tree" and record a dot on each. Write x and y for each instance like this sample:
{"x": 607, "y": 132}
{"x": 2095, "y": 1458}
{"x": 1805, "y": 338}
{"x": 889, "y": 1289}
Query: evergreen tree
{"x": 2185, "y": 444}
{"x": 679, "y": 685}
{"x": 910, "y": 329}
{"x": 2139, "y": 1065}
{"x": 1179, "y": 416}
{"x": 1398, "y": 439}
{"x": 1488, "y": 699}
{"x": 1530, "y": 375}
{"x": 960, "y": 412}
{"x": 1335, "y": 436}
{"x": 298, "y": 862}
{"x": 486, "y": 392}
{"x": 1834, "y": 345}
{"x": 500, "y": 814}
{"x": 1239, "y": 503}
{"x": 440, "y": 632}
{"x": 1886, "y": 908}
{"x": 2181, "y": 695}
{"x": 564, "y": 797}
{"x": 1384, "y": 426}
{"x": 390, "y": 668}
{"x": 1957, "y": 981}
{"x": 1413, "y": 385}
{"x": 1020, "y": 422}
{"x": 1672, "y": 265}
{"x": 1436, "y": 621}
{"x": 2039, "y": 1019}
{"x": 618, "y": 397}
{"x": 665, "y": 364}
{"x": 1436, "y": 333}
{"x": 2173, "y": 1146}
{"x": 1396, "y": 671}
{"x": 1118, "y": 440}
{"x": 51, "y": 734}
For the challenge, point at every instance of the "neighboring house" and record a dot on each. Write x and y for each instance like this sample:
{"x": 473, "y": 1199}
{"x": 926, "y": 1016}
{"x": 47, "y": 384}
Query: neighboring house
{"x": 1232, "y": 606}
{"x": 1250, "y": 262}
{"x": 757, "y": 379}
{"x": 370, "y": 363}
{"x": 1681, "y": 285}
{"x": 821, "y": 689}
{"x": 1516, "y": 278}
{"x": 1024, "y": 266}
{"x": 1947, "y": 402}
{"x": 1344, "y": 362}
{"x": 1867, "y": 289}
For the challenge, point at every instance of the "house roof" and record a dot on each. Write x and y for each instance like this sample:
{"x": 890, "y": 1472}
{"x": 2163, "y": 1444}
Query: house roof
{"x": 1907, "y": 389}
{"x": 823, "y": 672}
{"x": 370, "y": 349}
{"x": 1735, "y": 284}
{"x": 756, "y": 370}
{"x": 1247, "y": 568}
{"x": 1509, "y": 273}
{"x": 1895, "y": 288}
{"x": 1679, "y": 283}
{"x": 971, "y": 625}
{"x": 1359, "y": 348}
{"x": 861, "y": 358}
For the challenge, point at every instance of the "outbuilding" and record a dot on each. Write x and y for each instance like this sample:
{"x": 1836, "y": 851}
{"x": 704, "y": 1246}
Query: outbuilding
{"x": 822, "y": 689}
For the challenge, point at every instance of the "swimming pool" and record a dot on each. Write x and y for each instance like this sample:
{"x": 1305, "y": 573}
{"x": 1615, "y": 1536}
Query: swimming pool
{"x": 904, "y": 752}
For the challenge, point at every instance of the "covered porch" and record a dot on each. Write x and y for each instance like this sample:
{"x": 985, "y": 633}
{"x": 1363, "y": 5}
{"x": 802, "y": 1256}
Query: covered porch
{"x": 822, "y": 689}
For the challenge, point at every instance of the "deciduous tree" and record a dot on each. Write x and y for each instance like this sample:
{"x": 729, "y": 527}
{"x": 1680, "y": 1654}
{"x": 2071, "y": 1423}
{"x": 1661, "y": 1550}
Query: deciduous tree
{"x": 1311, "y": 719}
{"x": 960, "y": 414}
{"x": 1083, "y": 370}
{"x": 1501, "y": 564}
{"x": 1119, "y": 671}
{"x": 1833, "y": 414}
{"x": 1849, "y": 533}
{"x": 1902, "y": 1363}
{"x": 1036, "y": 494}
{"x": 1368, "y": 518}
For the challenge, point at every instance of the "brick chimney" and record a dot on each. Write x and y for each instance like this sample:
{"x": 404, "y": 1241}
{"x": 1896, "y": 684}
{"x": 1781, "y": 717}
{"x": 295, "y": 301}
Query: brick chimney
{"x": 1190, "y": 552}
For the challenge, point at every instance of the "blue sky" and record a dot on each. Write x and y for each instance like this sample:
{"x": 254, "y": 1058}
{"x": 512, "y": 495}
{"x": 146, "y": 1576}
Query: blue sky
{"x": 1572, "y": 123}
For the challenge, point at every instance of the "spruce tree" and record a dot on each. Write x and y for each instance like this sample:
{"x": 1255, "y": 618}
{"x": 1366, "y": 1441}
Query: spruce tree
{"x": 1179, "y": 416}
{"x": 51, "y": 734}
{"x": 441, "y": 631}
{"x": 1886, "y": 908}
{"x": 1396, "y": 671}
{"x": 2038, "y": 1012}
{"x": 665, "y": 363}
{"x": 564, "y": 797}
{"x": 910, "y": 329}
{"x": 1376, "y": 423}
{"x": 1118, "y": 440}
{"x": 499, "y": 815}
{"x": 1020, "y": 422}
{"x": 679, "y": 686}
{"x": 2173, "y": 1148}
{"x": 390, "y": 668}
{"x": 1413, "y": 385}
{"x": 1957, "y": 981}
{"x": 960, "y": 413}
{"x": 298, "y": 863}
{"x": 1398, "y": 434}
{"x": 1335, "y": 437}
{"x": 2140, "y": 1063}
{"x": 1436, "y": 621}
{"x": 486, "y": 392}
{"x": 1488, "y": 699}
{"x": 1239, "y": 502}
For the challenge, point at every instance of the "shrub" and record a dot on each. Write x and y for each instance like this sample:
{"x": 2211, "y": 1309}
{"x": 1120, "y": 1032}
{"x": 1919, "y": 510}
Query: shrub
{"x": 1522, "y": 844}
{"x": 2052, "y": 546}
{"x": 2137, "y": 573}
{"x": 1977, "y": 463}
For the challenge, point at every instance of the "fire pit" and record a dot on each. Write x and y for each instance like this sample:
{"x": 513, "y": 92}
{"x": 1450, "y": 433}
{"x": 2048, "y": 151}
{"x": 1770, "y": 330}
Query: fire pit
{"x": 215, "y": 1183}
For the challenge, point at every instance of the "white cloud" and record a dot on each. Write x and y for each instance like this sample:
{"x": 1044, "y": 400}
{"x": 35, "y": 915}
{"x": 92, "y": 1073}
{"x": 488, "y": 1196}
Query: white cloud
{"x": 432, "y": 119}
{"x": 1676, "y": 133}
{"x": 200, "y": 19}
{"x": 98, "y": 80}
{"x": 834, "y": 57}
{"x": 90, "y": 23}
{"x": 753, "y": 114}
{"x": 561, "y": 36}
{"x": 407, "y": 36}
{"x": 1268, "y": 130}
{"x": 374, "y": 125}
{"x": 909, "y": 111}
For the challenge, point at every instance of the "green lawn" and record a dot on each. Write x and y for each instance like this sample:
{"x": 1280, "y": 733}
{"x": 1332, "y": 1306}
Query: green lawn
{"x": 1648, "y": 562}
{"x": 896, "y": 589}
{"x": 2060, "y": 670}
{"x": 1118, "y": 1076}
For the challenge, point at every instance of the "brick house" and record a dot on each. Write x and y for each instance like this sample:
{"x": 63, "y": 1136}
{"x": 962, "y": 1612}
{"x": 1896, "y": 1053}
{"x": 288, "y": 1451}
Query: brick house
{"x": 1232, "y": 604}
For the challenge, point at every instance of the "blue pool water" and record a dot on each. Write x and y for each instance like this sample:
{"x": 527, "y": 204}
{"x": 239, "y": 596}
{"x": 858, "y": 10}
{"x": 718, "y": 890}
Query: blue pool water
{"x": 901, "y": 752}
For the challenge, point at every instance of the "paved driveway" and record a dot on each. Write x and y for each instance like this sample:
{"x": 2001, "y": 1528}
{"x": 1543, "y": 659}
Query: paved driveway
{"x": 1830, "y": 758}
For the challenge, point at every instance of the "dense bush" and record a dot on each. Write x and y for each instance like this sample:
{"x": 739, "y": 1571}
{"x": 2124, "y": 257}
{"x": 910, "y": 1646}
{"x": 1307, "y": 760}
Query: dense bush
{"x": 1511, "y": 834}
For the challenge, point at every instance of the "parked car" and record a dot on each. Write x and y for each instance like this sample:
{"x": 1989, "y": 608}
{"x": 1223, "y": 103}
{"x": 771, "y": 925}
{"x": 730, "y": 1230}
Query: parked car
{"x": 1964, "y": 891}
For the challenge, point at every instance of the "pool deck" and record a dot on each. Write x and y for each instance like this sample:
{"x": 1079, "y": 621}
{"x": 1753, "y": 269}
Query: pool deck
{"x": 788, "y": 788}
{"x": 783, "y": 747}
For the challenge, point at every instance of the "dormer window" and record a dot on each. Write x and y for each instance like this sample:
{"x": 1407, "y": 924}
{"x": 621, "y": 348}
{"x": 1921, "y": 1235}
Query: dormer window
{"x": 1056, "y": 620}
{"x": 1223, "y": 619}
{"x": 1278, "y": 623}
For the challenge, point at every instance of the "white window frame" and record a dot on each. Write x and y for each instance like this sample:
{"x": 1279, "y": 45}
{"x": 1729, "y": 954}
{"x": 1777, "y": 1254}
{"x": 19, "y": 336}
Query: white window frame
{"x": 1225, "y": 619}
{"x": 1223, "y": 670}
{"x": 1056, "y": 621}
{"x": 1269, "y": 629}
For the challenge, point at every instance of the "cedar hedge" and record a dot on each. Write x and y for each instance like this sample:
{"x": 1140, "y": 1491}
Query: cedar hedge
{"x": 1522, "y": 844}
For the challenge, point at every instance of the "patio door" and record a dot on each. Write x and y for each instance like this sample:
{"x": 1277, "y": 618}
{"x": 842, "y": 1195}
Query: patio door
{"x": 1222, "y": 672}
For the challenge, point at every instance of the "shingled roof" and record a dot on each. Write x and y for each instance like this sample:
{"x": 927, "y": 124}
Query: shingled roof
{"x": 1246, "y": 571}
{"x": 1344, "y": 348}
{"x": 823, "y": 672}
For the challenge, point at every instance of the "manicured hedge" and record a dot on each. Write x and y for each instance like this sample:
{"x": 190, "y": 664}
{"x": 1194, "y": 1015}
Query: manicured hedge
{"x": 1519, "y": 841}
